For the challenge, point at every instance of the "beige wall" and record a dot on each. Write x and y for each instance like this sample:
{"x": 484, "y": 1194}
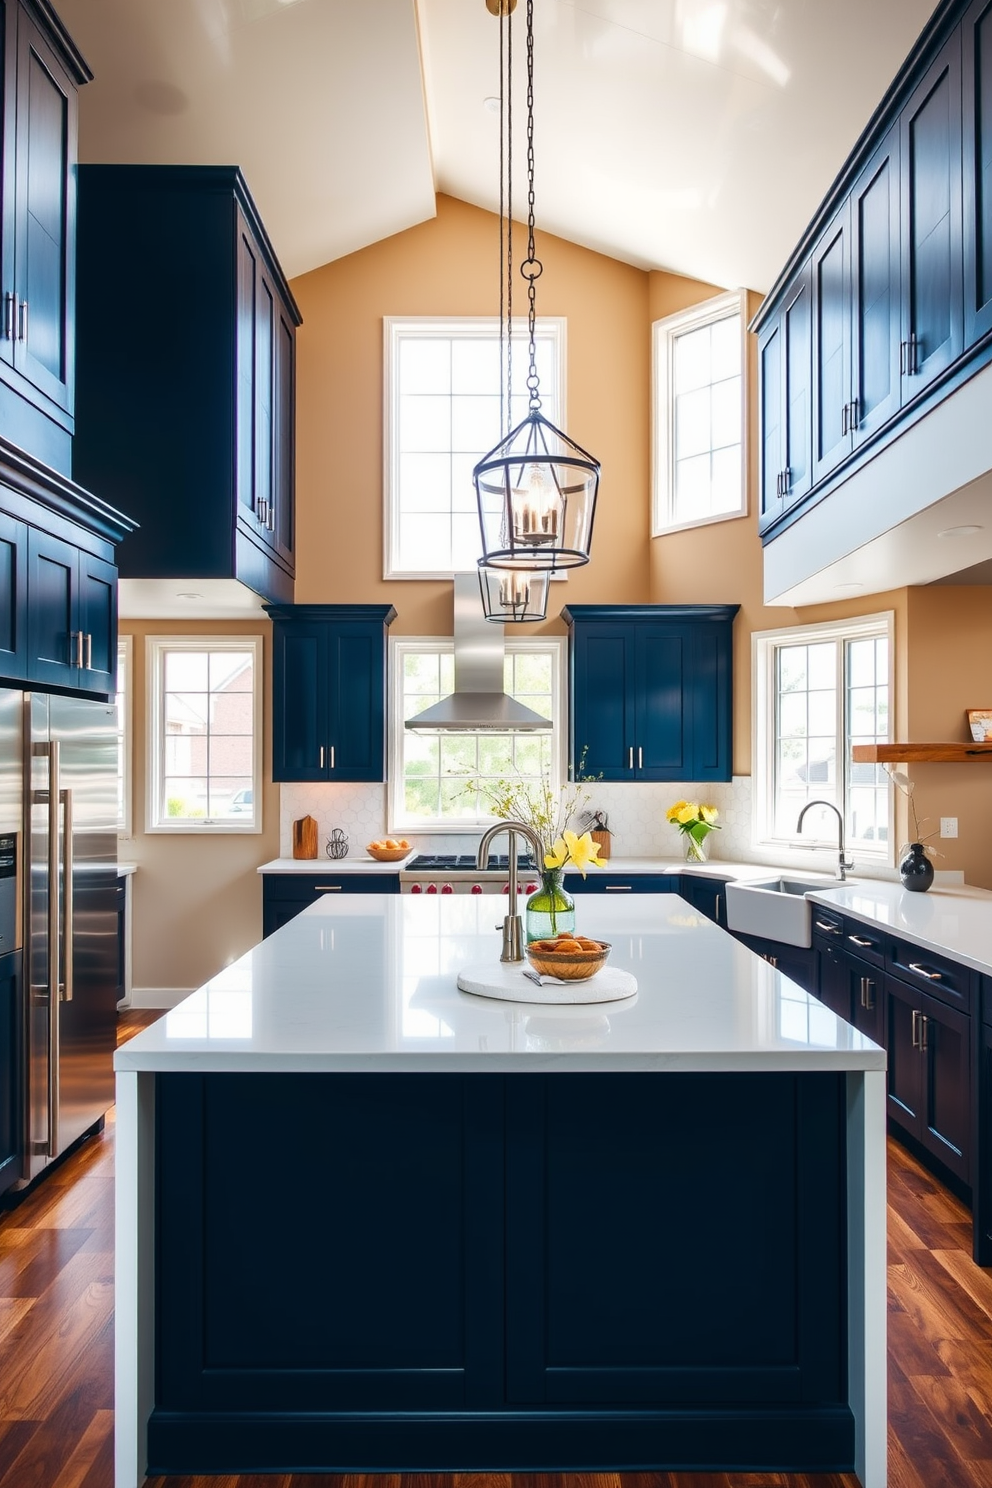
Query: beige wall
{"x": 197, "y": 899}
{"x": 197, "y": 909}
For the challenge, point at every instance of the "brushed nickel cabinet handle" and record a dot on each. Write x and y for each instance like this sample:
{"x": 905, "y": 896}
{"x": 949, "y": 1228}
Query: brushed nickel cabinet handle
{"x": 327, "y": 888}
{"x": 924, "y": 1033}
{"x": 868, "y": 994}
{"x": 618, "y": 888}
{"x": 22, "y": 321}
{"x": 859, "y": 940}
{"x": 321, "y": 756}
{"x": 916, "y": 1029}
{"x": 332, "y": 756}
{"x": 931, "y": 976}
{"x": 630, "y": 758}
{"x": 89, "y": 651}
{"x": 9, "y": 315}
{"x": 640, "y": 757}
{"x": 830, "y": 929}
{"x": 77, "y": 636}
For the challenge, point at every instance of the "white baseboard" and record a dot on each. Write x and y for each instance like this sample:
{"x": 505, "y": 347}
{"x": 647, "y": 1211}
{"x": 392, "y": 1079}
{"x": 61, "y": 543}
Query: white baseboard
{"x": 157, "y": 997}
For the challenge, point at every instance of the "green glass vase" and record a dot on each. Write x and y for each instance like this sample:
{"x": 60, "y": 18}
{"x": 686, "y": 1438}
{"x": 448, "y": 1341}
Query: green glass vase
{"x": 551, "y": 910}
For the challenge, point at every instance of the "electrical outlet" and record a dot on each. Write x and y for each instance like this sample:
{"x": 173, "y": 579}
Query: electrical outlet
{"x": 948, "y": 826}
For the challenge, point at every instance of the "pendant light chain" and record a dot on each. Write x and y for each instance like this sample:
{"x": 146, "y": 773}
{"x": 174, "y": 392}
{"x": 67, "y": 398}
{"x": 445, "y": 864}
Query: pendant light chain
{"x": 506, "y": 220}
{"x": 531, "y": 268}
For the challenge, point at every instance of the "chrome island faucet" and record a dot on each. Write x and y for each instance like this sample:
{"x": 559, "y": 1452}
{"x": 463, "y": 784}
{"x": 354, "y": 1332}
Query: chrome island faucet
{"x": 512, "y": 926}
{"x": 843, "y": 863}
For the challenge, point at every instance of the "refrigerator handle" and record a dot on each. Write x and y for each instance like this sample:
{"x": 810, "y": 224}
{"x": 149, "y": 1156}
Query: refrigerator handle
{"x": 65, "y": 986}
{"x": 53, "y": 948}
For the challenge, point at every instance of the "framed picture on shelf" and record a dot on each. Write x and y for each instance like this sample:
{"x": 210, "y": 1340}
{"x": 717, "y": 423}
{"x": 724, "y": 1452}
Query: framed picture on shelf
{"x": 980, "y": 723}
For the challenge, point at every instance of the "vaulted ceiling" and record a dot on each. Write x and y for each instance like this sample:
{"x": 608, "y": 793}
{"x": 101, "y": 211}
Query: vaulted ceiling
{"x": 693, "y": 135}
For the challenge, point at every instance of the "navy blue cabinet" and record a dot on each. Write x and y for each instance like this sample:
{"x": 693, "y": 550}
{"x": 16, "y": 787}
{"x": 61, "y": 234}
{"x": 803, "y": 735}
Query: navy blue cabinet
{"x": 621, "y": 883}
{"x": 708, "y": 895}
{"x": 41, "y": 72}
{"x": 10, "y": 1064}
{"x": 976, "y": 71}
{"x": 284, "y": 895}
{"x": 785, "y": 401}
{"x": 651, "y": 691}
{"x": 329, "y": 691}
{"x": 192, "y": 433}
{"x": 13, "y": 597}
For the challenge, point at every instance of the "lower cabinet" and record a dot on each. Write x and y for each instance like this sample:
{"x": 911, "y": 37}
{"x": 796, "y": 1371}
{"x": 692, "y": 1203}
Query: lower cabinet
{"x": 798, "y": 963}
{"x": 929, "y": 1073}
{"x": 708, "y": 895}
{"x": 284, "y": 895}
{"x": 10, "y": 1089}
{"x": 621, "y": 883}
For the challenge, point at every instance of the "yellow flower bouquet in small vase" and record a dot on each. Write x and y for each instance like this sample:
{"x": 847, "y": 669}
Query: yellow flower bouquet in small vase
{"x": 695, "y": 822}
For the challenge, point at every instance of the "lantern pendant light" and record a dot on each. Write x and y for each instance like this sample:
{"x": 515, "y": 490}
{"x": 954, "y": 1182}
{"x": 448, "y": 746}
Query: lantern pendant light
{"x": 514, "y": 596}
{"x": 536, "y": 491}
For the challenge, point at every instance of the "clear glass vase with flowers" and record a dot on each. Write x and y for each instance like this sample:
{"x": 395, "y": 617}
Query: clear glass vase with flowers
{"x": 695, "y": 822}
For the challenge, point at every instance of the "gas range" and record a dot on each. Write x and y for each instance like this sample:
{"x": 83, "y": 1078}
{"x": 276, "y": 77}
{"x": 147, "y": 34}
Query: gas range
{"x": 456, "y": 873}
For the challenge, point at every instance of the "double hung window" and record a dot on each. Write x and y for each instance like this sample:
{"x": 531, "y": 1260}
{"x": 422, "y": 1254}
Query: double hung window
{"x": 204, "y": 733}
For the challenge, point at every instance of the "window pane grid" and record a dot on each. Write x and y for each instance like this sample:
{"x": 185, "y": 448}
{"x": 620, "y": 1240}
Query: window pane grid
{"x": 867, "y": 722}
{"x": 706, "y": 419}
{"x": 206, "y": 745}
{"x": 447, "y": 401}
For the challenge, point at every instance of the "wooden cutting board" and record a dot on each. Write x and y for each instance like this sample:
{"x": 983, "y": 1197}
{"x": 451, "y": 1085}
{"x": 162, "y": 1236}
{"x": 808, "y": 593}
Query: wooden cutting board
{"x": 305, "y": 837}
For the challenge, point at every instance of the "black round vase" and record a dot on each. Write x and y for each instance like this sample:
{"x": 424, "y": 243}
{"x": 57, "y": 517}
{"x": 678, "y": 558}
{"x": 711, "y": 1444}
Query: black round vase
{"x": 916, "y": 869}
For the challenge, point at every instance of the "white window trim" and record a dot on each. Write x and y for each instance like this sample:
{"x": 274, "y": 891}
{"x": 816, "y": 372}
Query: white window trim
{"x": 125, "y": 643}
{"x": 155, "y": 646}
{"x": 399, "y": 646}
{"x": 663, "y": 337}
{"x": 764, "y": 644}
{"x": 446, "y": 328}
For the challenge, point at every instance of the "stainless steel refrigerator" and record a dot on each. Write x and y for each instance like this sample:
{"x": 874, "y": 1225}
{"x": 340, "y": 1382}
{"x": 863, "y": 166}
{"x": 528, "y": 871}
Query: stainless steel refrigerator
{"x": 59, "y": 755}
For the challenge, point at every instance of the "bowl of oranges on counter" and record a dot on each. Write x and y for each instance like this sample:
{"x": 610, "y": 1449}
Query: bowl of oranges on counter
{"x": 388, "y": 849}
{"x": 573, "y": 958}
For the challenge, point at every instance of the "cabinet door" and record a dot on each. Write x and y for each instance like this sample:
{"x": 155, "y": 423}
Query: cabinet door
{"x": 662, "y": 721}
{"x": 797, "y": 389}
{"x": 8, "y": 165}
{"x": 265, "y": 340}
{"x": 45, "y": 209}
{"x": 10, "y": 1065}
{"x": 905, "y": 1084}
{"x": 932, "y": 291}
{"x": 976, "y": 35}
{"x": 603, "y": 700}
{"x": 834, "y": 981}
{"x": 13, "y": 598}
{"x": 97, "y": 619}
{"x": 868, "y": 1000}
{"x": 356, "y": 725}
{"x": 832, "y": 438}
{"x": 771, "y": 434}
{"x": 707, "y": 695}
{"x": 299, "y": 702}
{"x": 283, "y": 536}
{"x": 875, "y": 291}
{"x": 53, "y": 631}
{"x": 248, "y": 271}
{"x": 945, "y": 1049}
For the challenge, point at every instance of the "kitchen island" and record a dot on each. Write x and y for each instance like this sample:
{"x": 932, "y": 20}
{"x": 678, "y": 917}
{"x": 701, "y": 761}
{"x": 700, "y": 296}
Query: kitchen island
{"x": 367, "y": 1222}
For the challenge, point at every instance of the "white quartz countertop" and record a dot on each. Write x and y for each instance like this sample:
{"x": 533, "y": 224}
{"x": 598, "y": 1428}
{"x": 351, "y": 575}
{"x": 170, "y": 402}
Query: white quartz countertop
{"x": 353, "y": 863}
{"x": 954, "y": 921}
{"x": 367, "y": 983}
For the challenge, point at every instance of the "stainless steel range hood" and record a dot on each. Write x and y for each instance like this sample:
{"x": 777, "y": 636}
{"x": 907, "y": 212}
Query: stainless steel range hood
{"x": 478, "y": 701}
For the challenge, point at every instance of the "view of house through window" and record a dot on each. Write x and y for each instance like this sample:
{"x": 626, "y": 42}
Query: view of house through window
{"x": 699, "y": 415}
{"x": 825, "y": 691}
{"x": 442, "y": 400}
{"x": 204, "y": 733}
{"x": 432, "y": 774}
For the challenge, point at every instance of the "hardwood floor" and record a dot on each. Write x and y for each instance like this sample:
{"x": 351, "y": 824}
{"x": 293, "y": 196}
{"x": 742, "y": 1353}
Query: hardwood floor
{"x": 56, "y": 1348}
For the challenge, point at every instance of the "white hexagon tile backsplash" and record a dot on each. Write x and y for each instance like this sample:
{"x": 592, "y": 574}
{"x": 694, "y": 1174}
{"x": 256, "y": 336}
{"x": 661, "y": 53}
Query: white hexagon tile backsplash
{"x": 636, "y": 814}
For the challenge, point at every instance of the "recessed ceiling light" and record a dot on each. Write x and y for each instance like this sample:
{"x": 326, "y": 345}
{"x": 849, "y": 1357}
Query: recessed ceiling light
{"x": 188, "y": 594}
{"x": 966, "y": 531}
{"x": 849, "y": 588}
{"x": 491, "y": 105}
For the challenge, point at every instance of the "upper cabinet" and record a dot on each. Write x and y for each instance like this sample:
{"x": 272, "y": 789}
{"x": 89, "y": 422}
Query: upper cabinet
{"x": 41, "y": 71}
{"x": 191, "y": 430}
{"x": 651, "y": 691}
{"x": 894, "y": 273}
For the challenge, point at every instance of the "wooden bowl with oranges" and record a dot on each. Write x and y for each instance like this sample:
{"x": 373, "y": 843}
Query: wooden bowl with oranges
{"x": 388, "y": 849}
{"x": 573, "y": 958}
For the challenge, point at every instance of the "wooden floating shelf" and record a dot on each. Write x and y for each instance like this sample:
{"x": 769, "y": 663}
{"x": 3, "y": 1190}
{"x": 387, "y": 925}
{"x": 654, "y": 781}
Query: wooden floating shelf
{"x": 912, "y": 754}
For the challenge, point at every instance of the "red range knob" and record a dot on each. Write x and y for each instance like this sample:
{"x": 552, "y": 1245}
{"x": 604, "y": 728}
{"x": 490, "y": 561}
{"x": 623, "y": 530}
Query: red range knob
{"x": 506, "y": 888}
{"x": 476, "y": 889}
{"x": 531, "y": 889}
{"x": 416, "y": 888}
{"x": 447, "y": 889}
{"x": 432, "y": 888}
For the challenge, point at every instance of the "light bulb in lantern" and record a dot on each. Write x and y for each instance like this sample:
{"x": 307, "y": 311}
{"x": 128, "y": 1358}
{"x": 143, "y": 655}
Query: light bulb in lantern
{"x": 514, "y": 590}
{"x": 535, "y": 509}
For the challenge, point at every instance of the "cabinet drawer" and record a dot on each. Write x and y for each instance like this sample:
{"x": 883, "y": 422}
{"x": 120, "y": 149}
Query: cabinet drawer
{"x": 946, "y": 980}
{"x": 621, "y": 883}
{"x": 864, "y": 941}
{"x": 827, "y": 927}
{"x": 302, "y": 886}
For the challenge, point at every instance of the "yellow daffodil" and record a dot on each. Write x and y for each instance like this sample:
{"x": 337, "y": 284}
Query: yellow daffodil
{"x": 582, "y": 852}
{"x": 673, "y": 811}
{"x": 695, "y": 822}
{"x": 709, "y": 814}
{"x": 689, "y": 813}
